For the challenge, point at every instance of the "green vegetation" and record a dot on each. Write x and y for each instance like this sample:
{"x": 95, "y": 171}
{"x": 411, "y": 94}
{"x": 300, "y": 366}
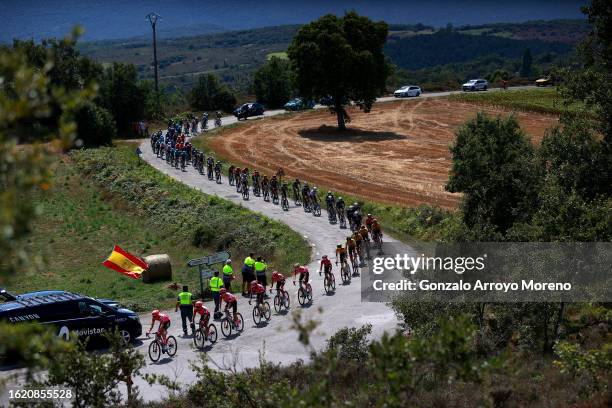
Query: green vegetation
{"x": 342, "y": 58}
{"x": 282, "y": 55}
{"x": 209, "y": 95}
{"x": 111, "y": 198}
{"x": 547, "y": 101}
{"x": 274, "y": 82}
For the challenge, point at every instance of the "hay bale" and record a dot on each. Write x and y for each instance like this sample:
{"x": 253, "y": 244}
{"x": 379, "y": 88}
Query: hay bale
{"x": 160, "y": 268}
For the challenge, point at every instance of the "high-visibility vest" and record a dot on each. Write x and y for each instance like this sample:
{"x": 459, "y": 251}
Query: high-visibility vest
{"x": 260, "y": 267}
{"x": 215, "y": 284}
{"x": 248, "y": 261}
{"x": 227, "y": 270}
{"x": 185, "y": 298}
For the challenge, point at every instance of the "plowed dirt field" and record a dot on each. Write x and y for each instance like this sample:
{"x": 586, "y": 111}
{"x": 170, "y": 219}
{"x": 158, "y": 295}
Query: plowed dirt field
{"x": 398, "y": 153}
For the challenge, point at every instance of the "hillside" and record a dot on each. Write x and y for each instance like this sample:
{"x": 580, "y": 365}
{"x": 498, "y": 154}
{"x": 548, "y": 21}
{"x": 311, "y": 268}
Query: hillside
{"x": 235, "y": 55}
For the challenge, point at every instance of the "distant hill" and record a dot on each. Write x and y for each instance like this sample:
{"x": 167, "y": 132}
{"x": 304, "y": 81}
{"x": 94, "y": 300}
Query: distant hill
{"x": 446, "y": 46}
{"x": 235, "y": 55}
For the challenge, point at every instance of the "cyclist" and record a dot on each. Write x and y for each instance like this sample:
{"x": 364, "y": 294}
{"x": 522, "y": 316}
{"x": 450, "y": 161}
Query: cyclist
{"x": 230, "y": 174}
{"x": 244, "y": 181}
{"x": 274, "y": 187}
{"x": 296, "y": 185}
{"x": 265, "y": 185}
{"x": 340, "y": 254}
{"x": 305, "y": 192}
{"x": 237, "y": 178}
{"x": 340, "y": 205}
{"x": 164, "y": 324}
{"x": 368, "y": 222}
{"x": 255, "y": 178}
{"x": 357, "y": 216}
{"x": 330, "y": 201}
{"x": 358, "y": 244}
{"x": 200, "y": 309}
{"x": 349, "y": 215}
{"x": 209, "y": 167}
{"x": 279, "y": 279}
{"x": 326, "y": 266}
{"x": 376, "y": 230}
{"x": 204, "y": 121}
{"x": 284, "y": 190}
{"x": 365, "y": 236}
{"x": 351, "y": 246}
{"x": 218, "y": 168}
{"x": 303, "y": 272}
{"x": 259, "y": 290}
{"x": 230, "y": 301}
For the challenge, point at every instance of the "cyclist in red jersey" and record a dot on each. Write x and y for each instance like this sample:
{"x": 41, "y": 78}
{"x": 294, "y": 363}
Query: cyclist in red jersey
{"x": 279, "y": 279}
{"x": 200, "y": 309}
{"x": 368, "y": 222}
{"x": 164, "y": 324}
{"x": 302, "y": 271}
{"x": 259, "y": 291}
{"x": 230, "y": 301}
{"x": 326, "y": 265}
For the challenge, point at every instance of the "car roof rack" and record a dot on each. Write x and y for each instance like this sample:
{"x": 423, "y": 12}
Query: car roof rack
{"x": 47, "y": 299}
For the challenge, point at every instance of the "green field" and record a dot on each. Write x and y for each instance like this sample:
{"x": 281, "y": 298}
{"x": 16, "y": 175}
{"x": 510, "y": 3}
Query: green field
{"x": 104, "y": 197}
{"x": 542, "y": 100}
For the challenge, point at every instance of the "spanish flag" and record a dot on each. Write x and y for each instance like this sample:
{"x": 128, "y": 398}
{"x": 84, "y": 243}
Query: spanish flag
{"x": 125, "y": 263}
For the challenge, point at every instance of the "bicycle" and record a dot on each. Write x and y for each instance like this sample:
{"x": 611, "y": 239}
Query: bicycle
{"x": 204, "y": 333}
{"x": 156, "y": 347}
{"x": 209, "y": 171}
{"x": 281, "y": 301}
{"x": 377, "y": 242}
{"x": 245, "y": 191}
{"x": 274, "y": 195}
{"x": 266, "y": 193}
{"x": 261, "y": 310}
{"x": 228, "y": 324}
{"x": 341, "y": 219}
{"x": 230, "y": 177}
{"x": 329, "y": 283}
{"x": 183, "y": 164}
{"x": 218, "y": 176}
{"x": 331, "y": 214}
{"x": 256, "y": 188}
{"x": 285, "y": 203}
{"x": 297, "y": 199}
{"x": 316, "y": 208}
{"x": 354, "y": 265}
{"x": 306, "y": 203}
{"x": 345, "y": 273}
{"x": 305, "y": 294}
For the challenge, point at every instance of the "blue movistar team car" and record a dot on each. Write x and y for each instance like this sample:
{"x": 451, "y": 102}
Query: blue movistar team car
{"x": 71, "y": 314}
{"x": 298, "y": 104}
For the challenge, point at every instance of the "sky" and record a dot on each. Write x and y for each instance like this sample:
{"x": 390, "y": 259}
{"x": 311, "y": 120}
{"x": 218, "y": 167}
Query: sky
{"x": 116, "y": 19}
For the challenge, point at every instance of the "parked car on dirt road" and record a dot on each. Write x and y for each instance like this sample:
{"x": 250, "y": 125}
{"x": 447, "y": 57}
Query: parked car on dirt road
{"x": 70, "y": 313}
{"x": 298, "y": 104}
{"x": 475, "y": 85}
{"x": 249, "y": 109}
{"x": 406, "y": 91}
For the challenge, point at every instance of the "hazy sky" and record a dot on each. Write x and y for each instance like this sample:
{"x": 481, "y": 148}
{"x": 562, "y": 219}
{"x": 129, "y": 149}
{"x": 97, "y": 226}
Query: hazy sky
{"x": 106, "y": 19}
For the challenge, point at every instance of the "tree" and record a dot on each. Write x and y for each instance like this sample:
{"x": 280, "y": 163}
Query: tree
{"x": 342, "y": 58}
{"x": 120, "y": 95}
{"x": 526, "y": 66}
{"x": 273, "y": 82}
{"x": 95, "y": 126}
{"x": 494, "y": 166}
{"x": 208, "y": 94}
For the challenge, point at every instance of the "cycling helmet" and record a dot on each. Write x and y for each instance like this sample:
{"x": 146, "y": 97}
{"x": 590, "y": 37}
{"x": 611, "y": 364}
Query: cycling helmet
{"x": 339, "y": 198}
{"x": 222, "y": 291}
{"x": 199, "y": 304}
{"x": 324, "y": 257}
{"x": 155, "y": 313}
{"x": 315, "y": 188}
{"x": 229, "y": 261}
{"x": 356, "y": 204}
{"x": 349, "y": 237}
{"x": 329, "y": 193}
{"x": 296, "y": 265}
{"x": 369, "y": 215}
{"x": 339, "y": 246}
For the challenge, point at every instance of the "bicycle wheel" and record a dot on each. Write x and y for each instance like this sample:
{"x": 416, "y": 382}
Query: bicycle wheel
{"x": 240, "y": 323}
{"x": 199, "y": 339}
{"x": 301, "y": 296}
{"x": 172, "y": 346}
{"x": 277, "y": 304}
{"x": 327, "y": 285}
{"x": 267, "y": 312}
{"x": 309, "y": 293}
{"x": 286, "y": 299}
{"x": 256, "y": 315}
{"x": 154, "y": 351}
{"x": 226, "y": 327}
{"x": 212, "y": 333}
{"x": 333, "y": 282}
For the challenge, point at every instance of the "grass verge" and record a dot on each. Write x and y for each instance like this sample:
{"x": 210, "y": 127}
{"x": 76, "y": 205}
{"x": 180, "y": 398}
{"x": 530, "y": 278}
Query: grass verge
{"x": 106, "y": 196}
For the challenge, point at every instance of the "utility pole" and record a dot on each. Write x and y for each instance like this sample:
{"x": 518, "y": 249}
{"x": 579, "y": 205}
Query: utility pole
{"x": 153, "y": 20}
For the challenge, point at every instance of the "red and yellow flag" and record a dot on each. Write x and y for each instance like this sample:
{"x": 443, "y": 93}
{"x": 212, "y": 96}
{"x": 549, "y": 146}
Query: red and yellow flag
{"x": 125, "y": 263}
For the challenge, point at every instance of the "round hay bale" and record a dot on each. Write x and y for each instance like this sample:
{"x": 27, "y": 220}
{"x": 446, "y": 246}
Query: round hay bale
{"x": 160, "y": 268}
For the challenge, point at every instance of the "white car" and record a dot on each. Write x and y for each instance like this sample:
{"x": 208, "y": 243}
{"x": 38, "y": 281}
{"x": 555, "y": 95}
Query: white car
{"x": 408, "y": 90}
{"x": 475, "y": 85}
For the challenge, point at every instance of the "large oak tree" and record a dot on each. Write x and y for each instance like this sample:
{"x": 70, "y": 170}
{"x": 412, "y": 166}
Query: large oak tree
{"x": 341, "y": 57}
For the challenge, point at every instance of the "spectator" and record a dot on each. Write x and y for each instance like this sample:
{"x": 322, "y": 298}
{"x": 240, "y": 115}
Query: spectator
{"x": 228, "y": 275}
{"x": 215, "y": 285}
{"x": 248, "y": 273}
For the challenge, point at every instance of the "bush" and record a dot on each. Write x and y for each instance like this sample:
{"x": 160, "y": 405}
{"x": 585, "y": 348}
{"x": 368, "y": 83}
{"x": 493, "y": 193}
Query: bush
{"x": 208, "y": 94}
{"x": 95, "y": 126}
